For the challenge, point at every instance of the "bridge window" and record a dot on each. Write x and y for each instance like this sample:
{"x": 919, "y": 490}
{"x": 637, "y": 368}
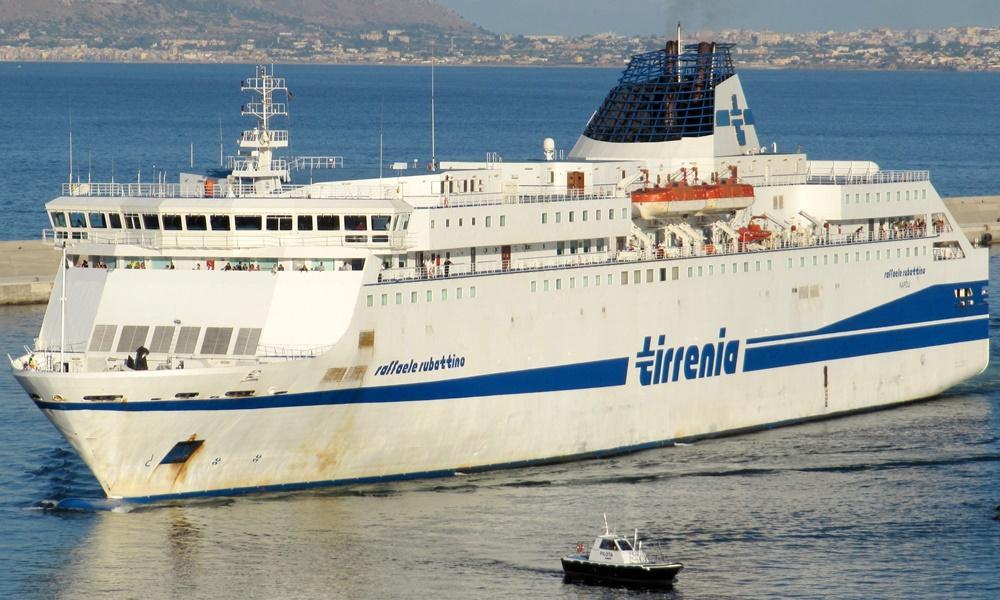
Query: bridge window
{"x": 196, "y": 222}
{"x": 150, "y": 221}
{"x": 115, "y": 220}
{"x": 58, "y": 219}
{"x": 97, "y": 220}
{"x": 279, "y": 222}
{"x": 355, "y": 223}
{"x": 305, "y": 222}
{"x": 172, "y": 222}
{"x": 220, "y": 222}
{"x": 77, "y": 219}
{"x": 132, "y": 221}
{"x": 328, "y": 222}
{"x": 248, "y": 222}
{"x": 380, "y": 222}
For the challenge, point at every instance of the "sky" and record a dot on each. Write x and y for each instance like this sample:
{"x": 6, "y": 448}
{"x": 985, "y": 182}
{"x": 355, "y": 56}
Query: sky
{"x": 578, "y": 17}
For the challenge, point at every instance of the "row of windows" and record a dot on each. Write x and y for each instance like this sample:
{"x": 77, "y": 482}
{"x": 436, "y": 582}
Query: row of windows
{"x": 216, "y": 340}
{"x": 177, "y": 222}
{"x": 877, "y": 196}
{"x": 583, "y": 246}
{"x": 584, "y": 215}
{"x": 443, "y": 296}
{"x": 460, "y": 221}
{"x": 651, "y": 275}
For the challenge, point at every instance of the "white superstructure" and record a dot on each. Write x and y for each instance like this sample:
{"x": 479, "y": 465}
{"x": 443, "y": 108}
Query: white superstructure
{"x": 498, "y": 313}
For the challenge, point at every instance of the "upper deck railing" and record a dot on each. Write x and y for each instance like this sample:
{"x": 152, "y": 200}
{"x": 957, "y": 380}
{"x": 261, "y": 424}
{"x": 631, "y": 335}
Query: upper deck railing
{"x": 640, "y": 255}
{"x": 167, "y": 190}
{"x": 872, "y": 178}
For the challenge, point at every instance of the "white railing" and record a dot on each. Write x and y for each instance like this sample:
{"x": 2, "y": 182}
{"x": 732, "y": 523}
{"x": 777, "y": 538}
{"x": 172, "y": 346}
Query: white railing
{"x": 167, "y": 190}
{"x": 639, "y": 255}
{"x": 256, "y": 135}
{"x": 876, "y": 177}
{"x": 235, "y": 241}
{"x": 302, "y": 163}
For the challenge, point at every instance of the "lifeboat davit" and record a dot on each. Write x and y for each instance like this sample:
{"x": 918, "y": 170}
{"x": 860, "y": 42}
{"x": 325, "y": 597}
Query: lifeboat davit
{"x": 679, "y": 198}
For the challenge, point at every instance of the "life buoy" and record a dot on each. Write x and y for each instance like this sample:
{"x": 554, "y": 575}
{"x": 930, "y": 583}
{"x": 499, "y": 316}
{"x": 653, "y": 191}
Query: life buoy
{"x": 209, "y": 188}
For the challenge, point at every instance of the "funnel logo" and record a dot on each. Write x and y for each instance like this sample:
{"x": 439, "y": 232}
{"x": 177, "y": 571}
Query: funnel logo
{"x": 737, "y": 117}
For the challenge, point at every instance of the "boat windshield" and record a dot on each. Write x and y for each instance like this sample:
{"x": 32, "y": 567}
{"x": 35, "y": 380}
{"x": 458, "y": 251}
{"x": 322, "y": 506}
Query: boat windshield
{"x": 624, "y": 545}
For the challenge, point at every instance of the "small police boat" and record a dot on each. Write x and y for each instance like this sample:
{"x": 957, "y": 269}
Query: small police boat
{"x": 616, "y": 560}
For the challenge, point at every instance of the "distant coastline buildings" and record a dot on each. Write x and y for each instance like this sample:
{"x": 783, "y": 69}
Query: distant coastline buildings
{"x": 963, "y": 49}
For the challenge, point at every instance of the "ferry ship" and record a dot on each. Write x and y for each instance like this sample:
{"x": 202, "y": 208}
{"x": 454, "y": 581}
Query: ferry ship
{"x": 670, "y": 279}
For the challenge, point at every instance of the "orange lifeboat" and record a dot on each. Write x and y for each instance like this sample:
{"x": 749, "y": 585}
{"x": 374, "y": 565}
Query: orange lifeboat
{"x": 679, "y": 198}
{"x": 753, "y": 232}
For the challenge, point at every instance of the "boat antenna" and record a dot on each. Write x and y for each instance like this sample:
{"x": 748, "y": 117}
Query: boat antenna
{"x": 606, "y": 530}
{"x": 381, "y": 112}
{"x": 220, "y": 141}
{"x": 680, "y": 50}
{"x": 70, "y": 102}
{"x": 191, "y": 157}
{"x": 433, "y": 135}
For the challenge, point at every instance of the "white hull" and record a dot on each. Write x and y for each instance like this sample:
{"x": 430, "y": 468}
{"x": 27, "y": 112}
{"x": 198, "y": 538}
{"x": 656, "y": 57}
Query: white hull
{"x": 311, "y": 437}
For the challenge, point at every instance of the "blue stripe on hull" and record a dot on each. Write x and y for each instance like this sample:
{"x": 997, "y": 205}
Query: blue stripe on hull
{"x": 864, "y": 344}
{"x": 580, "y": 376}
{"x": 935, "y": 303}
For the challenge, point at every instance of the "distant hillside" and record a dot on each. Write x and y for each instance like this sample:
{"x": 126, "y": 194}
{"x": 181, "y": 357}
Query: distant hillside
{"x": 120, "y": 22}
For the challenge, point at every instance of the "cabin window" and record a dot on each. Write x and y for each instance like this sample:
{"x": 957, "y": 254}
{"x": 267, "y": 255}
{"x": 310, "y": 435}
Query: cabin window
{"x": 380, "y": 222}
{"x": 150, "y": 221}
{"x": 608, "y": 545}
{"x": 355, "y": 223}
{"x": 172, "y": 222}
{"x": 611, "y": 214}
{"x": 545, "y": 218}
{"x": 472, "y": 292}
{"x": 77, "y": 219}
{"x": 97, "y": 221}
{"x": 625, "y": 213}
{"x": 558, "y": 217}
{"x": 279, "y": 222}
{"x": 115, "y": 220}
{"x": 248, "y": 222}
{"x": 624, "y": 277}
{"x": 305, "y": 222}
{"x": 58, "y": 219}
{"x": 584, "y": 215}
{"x": 571, "y": 216}
{"x": 187, "y": 340}
{"x": 328, "y": 222}
{"x": 503, "y": 220}
{"x": 624, "y": 545}
{"x": 430, "y": 295}
{"x": 663, "y": 274}
{"x": 220, "y": 223}
{"x": 217, "y": 338}
{"x": 196, "y": 222}
{"x": 413, "y": 297}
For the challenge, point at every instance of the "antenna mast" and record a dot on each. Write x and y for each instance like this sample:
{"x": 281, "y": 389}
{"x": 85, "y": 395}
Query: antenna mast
{"x": 71, "y": 141}
{"x": 433, "y": 136}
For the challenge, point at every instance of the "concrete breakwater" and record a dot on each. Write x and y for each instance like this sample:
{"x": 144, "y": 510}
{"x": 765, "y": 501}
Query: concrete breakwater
{"x": 27, "y": 270}
{"x": 28, "y": 267}
{"x": 979, "y": 217}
